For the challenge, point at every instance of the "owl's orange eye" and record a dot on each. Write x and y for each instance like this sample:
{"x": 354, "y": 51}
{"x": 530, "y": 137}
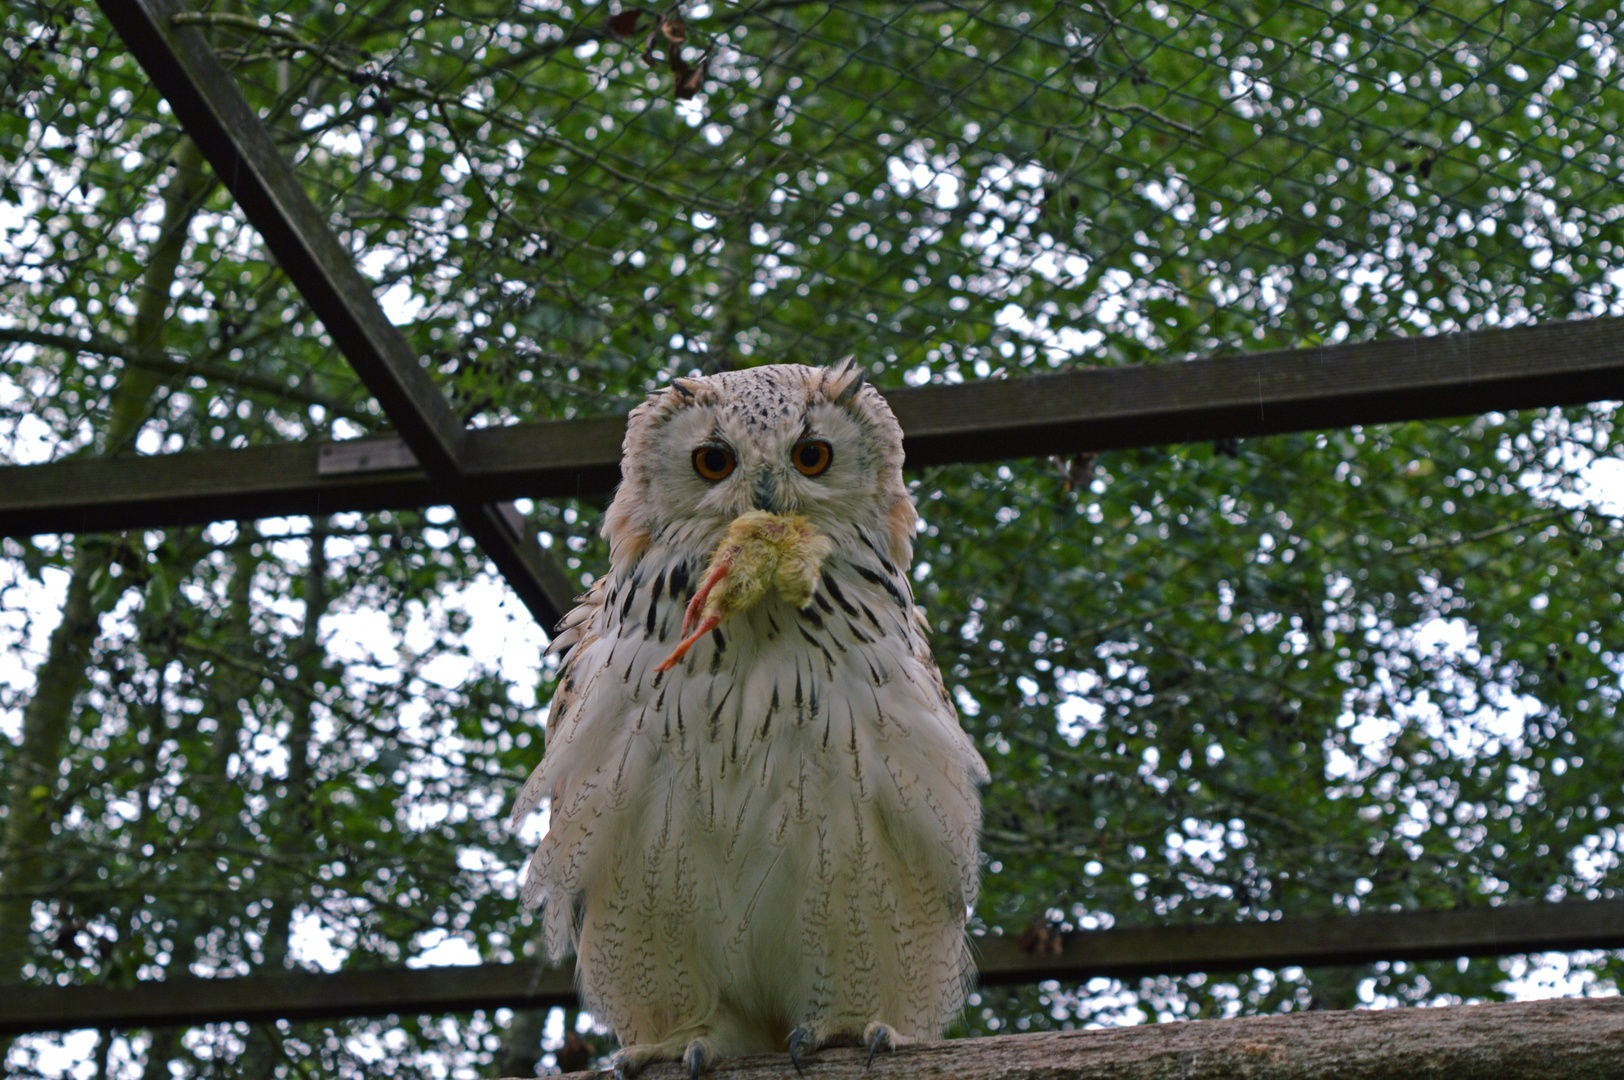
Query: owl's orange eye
{"x": 713, "y": 462}
{"x": 812, "y": 458}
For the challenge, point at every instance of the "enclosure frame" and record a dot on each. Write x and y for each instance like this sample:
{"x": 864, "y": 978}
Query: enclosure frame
{"x": 436, "y": 461}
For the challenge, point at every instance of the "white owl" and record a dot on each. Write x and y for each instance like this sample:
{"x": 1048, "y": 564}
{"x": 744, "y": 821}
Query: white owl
{"x": 764, "y": 836}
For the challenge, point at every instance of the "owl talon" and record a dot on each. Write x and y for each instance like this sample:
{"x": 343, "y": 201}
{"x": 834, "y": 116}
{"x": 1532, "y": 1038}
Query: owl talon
{"x": 696, "y": 1058}
{"x": 796, "y": 1038}
{"x": 880, "y": 1036}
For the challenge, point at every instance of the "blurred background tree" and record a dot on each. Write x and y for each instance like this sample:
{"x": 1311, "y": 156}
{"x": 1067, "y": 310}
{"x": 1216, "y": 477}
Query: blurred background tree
{"x": 1354, "y": 670}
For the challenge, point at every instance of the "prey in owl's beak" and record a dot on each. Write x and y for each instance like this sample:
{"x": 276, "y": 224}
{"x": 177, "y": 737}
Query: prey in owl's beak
{"x": 761, "y": 550}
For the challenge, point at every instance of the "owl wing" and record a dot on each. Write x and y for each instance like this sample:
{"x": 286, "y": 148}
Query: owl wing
{"x": 573, "y": 637}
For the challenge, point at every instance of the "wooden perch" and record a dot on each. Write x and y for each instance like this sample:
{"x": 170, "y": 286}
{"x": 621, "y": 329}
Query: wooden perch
{"x": 1534, "y": 1040}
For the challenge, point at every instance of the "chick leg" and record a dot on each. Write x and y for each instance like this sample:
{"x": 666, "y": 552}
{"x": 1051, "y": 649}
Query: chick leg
{"x": 696, "y": 624}
{"x": 718, "y": 571}
{"x": 711, "y": 622}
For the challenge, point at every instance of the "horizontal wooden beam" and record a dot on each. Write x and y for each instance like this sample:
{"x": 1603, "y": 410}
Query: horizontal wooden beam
{"x": 1125, "y": 953}
{"x": 1559, "y": 363}
{"x": 1267, "y": 393}
{"x": 285, "y": 995}
{"x": 101, "y": 494}
{"x": 1365, "y": 938}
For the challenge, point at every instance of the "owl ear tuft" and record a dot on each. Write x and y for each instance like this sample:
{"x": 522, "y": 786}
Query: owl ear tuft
{"x": 842, "y": 380}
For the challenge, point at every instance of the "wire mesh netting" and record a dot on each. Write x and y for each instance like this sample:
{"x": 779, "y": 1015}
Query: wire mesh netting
{"x": 1297, "y": 675}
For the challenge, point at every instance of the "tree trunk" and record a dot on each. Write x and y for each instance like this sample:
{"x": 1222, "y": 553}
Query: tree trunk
{"x": 521, "y": 1053}
{"x": 35, "y": 774}
{"x": 1563, "y": 1039}
{"x": 308, "y": 655}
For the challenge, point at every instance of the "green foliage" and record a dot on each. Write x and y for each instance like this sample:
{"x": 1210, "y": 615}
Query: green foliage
{"x": 1308, "y": 674}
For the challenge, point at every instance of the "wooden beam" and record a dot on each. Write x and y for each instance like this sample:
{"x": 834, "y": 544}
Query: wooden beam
{"x": 206, "y": 101}
{"x": 1524, "y": 1040}
{"x": 510, "y": 542}
{"x": 285, "y": 995}
{"x": 1365, "y": 938}
{"x": 1126, "y": 953}
{"x": 1561, "y": 363}
{"x": 1266, "y": 393}
{"x": 98, "y": 494}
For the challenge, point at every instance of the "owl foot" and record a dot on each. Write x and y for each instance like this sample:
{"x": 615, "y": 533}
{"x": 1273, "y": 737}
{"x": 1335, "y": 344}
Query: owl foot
{"x": 699, "y": 1055}
{"x": 877, "y": 1036}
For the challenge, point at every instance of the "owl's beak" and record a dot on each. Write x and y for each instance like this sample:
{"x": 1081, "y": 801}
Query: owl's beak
{"x": 765, "y": 492}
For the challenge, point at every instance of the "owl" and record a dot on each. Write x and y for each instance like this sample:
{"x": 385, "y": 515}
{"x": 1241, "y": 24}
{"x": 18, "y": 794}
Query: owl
{"x": 763, "y": 814}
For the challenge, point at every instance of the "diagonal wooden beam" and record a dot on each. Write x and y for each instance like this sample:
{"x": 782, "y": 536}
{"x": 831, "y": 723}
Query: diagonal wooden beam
{"x": 206, "y": 101}
{"x": 1126, "y": 953}
{"x": 208, "y": 105}
{"x": 1559, "y": 363}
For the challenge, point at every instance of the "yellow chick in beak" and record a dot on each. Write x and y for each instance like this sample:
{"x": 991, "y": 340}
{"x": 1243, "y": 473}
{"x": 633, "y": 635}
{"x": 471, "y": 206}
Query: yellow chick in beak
{"x": 760, "y": 550}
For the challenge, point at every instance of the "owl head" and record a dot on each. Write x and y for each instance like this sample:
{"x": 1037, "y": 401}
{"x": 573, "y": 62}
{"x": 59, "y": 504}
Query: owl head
{"x": 787, "y": 438}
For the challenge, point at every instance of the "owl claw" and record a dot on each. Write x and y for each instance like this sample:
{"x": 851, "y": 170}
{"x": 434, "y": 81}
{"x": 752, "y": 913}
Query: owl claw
{"x": 796, "y": 1038}
{"x": 628, "y": 1062}
{"x": 880, "y": 1036}
{"x": 696, "y": 1059}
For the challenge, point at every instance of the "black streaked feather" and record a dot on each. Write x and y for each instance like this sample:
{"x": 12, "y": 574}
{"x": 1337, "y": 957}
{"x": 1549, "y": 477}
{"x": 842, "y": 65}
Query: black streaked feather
{"x": 820, "y": 646}
{"x": 654, "y": 605}
{"x": 767, "y": 721}
{"x": 862, "y": 534}
{"x": 882, "y": 581}
{"x": 716, "y": 713}
{"x": 869, "y": 615}
{"x": 679, "y": 579}
{"x": 716, "y": 657}
{"x": 840, "y": 597}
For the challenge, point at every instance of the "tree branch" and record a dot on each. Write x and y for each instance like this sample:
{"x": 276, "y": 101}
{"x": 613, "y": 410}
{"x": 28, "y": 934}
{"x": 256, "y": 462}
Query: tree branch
{"x": 161, "y": 363}
{"x": 1535, "y": 1040}
{"x": 1509, "y": 526}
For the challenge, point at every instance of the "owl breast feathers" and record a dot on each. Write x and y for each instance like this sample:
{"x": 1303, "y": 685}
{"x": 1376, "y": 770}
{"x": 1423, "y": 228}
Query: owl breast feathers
{"x": 772, "y": 842}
